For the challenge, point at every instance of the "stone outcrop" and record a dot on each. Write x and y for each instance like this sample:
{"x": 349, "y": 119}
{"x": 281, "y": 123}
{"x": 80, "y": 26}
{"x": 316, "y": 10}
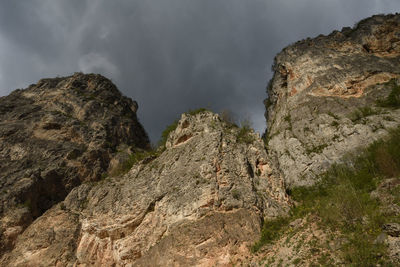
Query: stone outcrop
{"x": 323, "y": 99}
{"x": 200, "y": 202}
{"x": 55, "y": 135}
{"x": 80, "y": 187}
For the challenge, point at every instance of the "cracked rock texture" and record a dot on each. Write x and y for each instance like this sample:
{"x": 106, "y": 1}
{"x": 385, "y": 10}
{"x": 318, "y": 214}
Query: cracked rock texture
{"x": 54, "y": 135}
{"x": 200, "y": 202}
{"x": 322, "y": 100}
{"x": 202, "y": 199}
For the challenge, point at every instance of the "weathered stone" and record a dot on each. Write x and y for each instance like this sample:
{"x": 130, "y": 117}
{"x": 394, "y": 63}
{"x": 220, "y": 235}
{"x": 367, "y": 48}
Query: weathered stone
{"x": 201, "y": 202}
{"x": 55, "y": 135}
{"x": 384, "y": 194}
{"x": 394, "y": 249}
{"x": 392, "y": 229}
{"x": 322, "y": 100}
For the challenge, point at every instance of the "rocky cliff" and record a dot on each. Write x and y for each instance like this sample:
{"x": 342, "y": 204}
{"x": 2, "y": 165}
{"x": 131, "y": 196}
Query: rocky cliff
{"x": 80, "y": 185}
{"x": 200, "y": 202}
{"x": 55, "y": 135}
{"x": 327, "y": 97}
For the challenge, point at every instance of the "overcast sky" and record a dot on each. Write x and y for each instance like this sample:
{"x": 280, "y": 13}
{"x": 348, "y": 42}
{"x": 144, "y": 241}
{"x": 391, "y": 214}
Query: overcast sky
{"x": 168, "y": 55}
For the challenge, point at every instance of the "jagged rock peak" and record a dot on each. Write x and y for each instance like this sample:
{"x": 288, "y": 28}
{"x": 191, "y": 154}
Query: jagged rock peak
{"x": 85, "y": 87}
{"x": 54, "y": 135}
{"x": 323, "y": 100}
{"x": 200, "y": 202}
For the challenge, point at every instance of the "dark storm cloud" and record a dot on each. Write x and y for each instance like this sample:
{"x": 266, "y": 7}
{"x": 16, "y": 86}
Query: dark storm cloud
{"x": 169, "y": 55}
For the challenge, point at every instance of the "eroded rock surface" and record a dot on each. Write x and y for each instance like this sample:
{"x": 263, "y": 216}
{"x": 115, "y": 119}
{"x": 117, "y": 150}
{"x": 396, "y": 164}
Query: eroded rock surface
{"x": 55, "y": 135}
{"x": 323, "y": 97}
{"x": 199, "y": 203}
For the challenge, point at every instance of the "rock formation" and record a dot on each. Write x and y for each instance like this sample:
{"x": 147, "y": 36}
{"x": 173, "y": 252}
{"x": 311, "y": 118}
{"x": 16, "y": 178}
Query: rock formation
{"x": 55, "y": 135}
{"x": 200, "y": 202}
{"x": 322, "y": 100}
{"x": 80, "y": 186}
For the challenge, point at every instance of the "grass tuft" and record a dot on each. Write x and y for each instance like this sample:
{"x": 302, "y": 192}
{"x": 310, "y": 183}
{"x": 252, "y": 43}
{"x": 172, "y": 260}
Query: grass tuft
{"x": 393, "y": 99}
{"x": 244, "y": 134}
{"x": 196, "y": 111}
{"x": 272, "y": 230}
{"x": 164, "y": 135}
{"x": 133, "y": 158}
{"x": 361, "y": 113}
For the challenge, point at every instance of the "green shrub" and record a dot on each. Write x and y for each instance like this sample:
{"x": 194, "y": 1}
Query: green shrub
{"x": 235, "y": 194}
{"x": 196, "y": 111}
{"x": 288, "y": 119}
{"x": 166, "y": 132}
{"x": 104, "y": 176}
{"x": 335, "y": 123}
{"x": 316, "y": 149}
{"x": 336, "y": 117}
{"x": 393, "y": 99}
{"x": 133, "y": 158}
{"x": 228, "y": 117}
{"x": 271, "y": 230}
{"x": 173, "y": 125}
{"x": 296, "y": 261}
{"x": 244, "y": 134}
{"x": 28, "y": 204}
{"x": 359, "y": 252}
{"x": 361, "y": 113}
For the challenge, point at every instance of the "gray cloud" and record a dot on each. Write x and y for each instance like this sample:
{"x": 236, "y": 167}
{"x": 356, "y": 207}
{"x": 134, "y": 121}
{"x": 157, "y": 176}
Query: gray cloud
{"x": 169, "y": 55}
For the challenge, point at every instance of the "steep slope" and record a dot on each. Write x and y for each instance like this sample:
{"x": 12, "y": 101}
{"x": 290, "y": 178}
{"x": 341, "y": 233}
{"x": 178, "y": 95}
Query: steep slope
{"x": 331, "y": 95}
{"x": 200, "y": 202}
{"x": 333, "y": 116}
{"x": 350, "y": 217}
{"x": 55, "y": 135}
{"x": 79, "y": 188}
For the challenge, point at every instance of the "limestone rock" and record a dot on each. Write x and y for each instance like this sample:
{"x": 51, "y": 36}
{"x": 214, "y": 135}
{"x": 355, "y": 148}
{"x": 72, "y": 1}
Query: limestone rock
{"x": 392, "y": 229}
{"x": 322, "y": 100}
{"x": 200, "y": 202}
{"x": 394, "y": 249}
{"x": 55, "y": 135}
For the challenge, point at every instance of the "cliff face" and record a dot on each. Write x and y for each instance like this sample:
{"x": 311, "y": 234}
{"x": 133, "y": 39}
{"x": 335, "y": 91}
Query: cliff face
{"x": 80, "y": 187}
{"x": 200, "y": 202}
{"x": 55, "y": 135}
{"x": 328, "y": 95}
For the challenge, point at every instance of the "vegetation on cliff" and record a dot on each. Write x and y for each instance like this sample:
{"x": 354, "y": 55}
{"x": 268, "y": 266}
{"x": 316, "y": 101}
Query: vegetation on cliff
{"x": 326, "y": 192}
{"x": 171, "y": 127}
{"x": 393, "y": 99}
{"x": 344, "y": 203}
